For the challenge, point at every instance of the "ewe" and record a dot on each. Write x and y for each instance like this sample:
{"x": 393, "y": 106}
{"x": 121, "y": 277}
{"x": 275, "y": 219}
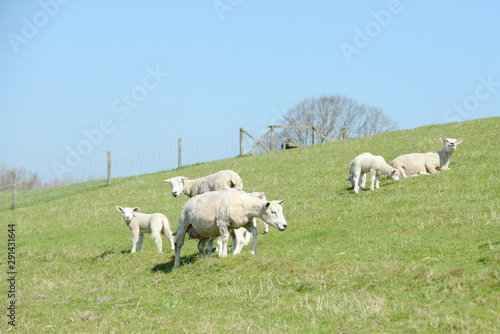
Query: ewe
{"x": 215, "y": 213}
{"x": 140, "y": 223}
{"x": 222, "y": 180}
{"x": 215, "y": 182}
{"x": 375, "y": 164}
{"x": 414, "y": 164}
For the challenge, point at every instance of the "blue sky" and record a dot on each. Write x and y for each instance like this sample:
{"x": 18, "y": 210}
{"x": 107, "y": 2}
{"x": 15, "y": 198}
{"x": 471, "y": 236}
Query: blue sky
{"x": 95, "y": 76}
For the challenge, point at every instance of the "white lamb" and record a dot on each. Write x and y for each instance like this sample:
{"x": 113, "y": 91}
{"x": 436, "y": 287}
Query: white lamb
{"x": 375, "y": 164}
{"x": 140, "y": 223}
{"x": 215, "y": 182}
{"x": 215, "y": 213}
{"x": 414, "y": 164}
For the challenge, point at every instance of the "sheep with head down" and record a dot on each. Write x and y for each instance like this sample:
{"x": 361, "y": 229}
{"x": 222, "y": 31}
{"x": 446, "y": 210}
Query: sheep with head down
{"x": 214, "y": 182}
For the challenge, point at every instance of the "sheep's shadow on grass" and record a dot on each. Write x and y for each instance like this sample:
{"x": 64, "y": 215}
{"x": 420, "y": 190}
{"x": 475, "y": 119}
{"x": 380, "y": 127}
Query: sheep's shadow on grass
{"x": 169, "y": 266}
{"x": 103, "y": 255}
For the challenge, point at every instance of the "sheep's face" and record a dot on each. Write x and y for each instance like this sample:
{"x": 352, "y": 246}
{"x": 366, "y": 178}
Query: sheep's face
{"x": 395, "y": 175}
{"x": 272, "y": 213}
{"x": 450, "y": 144}
{"x": 127, "y": 213}
{"x": 177, "y": 185}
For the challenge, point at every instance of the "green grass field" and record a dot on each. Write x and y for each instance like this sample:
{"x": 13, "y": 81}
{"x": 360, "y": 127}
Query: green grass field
{"x": 421, "y": 255}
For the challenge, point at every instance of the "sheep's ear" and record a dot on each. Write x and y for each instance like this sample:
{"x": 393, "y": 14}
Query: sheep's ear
{"x": 136, "y": 209}
{"x": 167, "y": 180}
{"x": 459, "y": 141}
{"x": 394, "y": 171}
{"x": 281, "y": 201}
{"x": 183, "y": 178}
{"x": 119, "y": 208}
{"x": 442, "y": 139}
{"x": 262, "y": 195}
{"x": 267, "y": 204}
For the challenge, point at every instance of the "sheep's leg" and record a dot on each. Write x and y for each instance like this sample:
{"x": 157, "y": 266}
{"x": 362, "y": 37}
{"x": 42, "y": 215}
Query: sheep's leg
{"x": 356, "y": 177}
{"x": 266, "y": 227}
{"x": 219, "y": 245}
{"x": 157, "y": 239}
{"x": 168, "y": 234}
{"x": 139, "y": 242}
{"x": 238, "y": 241}
{"x": 377, "y": 184}
{"x": 210, "y": 244}
{"x": 201, "y": 247}
{"x": 373, "y": 178}
{"x": 362, "y": 180}
{"x": 252, "y": 229}
{"x": 224, "y": 234}
{"x": 431, "y": 170}
{"x": 135, "y": 239}
{"x": 179, "y": 241}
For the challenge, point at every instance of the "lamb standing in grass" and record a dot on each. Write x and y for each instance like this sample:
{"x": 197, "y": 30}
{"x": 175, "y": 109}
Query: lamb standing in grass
{"x": 424, "y": 163}
{"x": 215, "y": 213}
{"x": 140, "y": 223}
{"x": 215, "y": 182}
{"x": 375, "y": 164}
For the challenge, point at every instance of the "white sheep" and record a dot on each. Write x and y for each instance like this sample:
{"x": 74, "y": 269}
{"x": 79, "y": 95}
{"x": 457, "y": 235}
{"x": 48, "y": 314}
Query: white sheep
{"x": 375, "y": 164}
{"x": 240, "y": 236}
{"x": 222, "y": 180}
{"x": 414, "y": 164}
{"x": 140, "y": 223}
{"x": 215, "y": 213}
{"x": 215, "y": 182}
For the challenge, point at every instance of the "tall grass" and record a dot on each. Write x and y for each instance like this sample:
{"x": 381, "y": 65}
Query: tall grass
{"x": 420, "y": 255}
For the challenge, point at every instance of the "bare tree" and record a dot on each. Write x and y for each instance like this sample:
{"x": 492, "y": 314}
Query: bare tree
{"x": 332, "y": 114}
{"x": 25, "y": 180}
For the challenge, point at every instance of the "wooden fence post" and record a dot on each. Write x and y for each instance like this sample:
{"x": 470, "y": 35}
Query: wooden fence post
{"x": 109, "y": 168}
{"x": 180, "y": 153}
{"x": 14, "y": 190}
{"x": 272, "y": 138}
{"x": 241, "y": 141}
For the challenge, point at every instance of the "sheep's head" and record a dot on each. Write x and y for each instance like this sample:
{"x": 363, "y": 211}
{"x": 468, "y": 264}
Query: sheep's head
{"x": 272, "y": 213}
{"x": 127, "y": 213}
{"x": 177, "y": 185}
{"x": 395, "y": 175}
{"x": 450, "y": 144}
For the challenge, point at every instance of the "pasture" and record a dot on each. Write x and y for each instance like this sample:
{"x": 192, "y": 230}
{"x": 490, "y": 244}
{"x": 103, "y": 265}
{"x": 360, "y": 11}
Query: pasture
{"x": 420, "y": 255}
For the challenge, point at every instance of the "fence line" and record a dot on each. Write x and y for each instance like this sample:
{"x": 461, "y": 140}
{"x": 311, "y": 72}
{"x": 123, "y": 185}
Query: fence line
{"x": 151, "y": 158}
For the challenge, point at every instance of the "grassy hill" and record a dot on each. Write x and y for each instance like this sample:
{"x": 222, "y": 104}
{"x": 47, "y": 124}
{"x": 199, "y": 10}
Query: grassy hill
{"x": 420, "y": 255}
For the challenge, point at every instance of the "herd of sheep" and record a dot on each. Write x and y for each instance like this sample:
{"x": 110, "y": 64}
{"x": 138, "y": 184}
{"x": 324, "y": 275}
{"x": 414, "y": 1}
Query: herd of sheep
{"x": 218, "y": 207}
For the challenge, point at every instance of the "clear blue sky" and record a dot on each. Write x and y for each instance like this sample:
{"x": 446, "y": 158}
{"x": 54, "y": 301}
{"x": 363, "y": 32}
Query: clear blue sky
{"x": 143, "y": 72}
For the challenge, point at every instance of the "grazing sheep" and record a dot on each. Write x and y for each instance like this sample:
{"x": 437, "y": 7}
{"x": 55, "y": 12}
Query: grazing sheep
{"x": 215, "y": 182}
{"x": 140, "y": 223}
{"x": 215, "y": 213}
{"x": 375, "y": 164}
{"x": 414, "y": 164}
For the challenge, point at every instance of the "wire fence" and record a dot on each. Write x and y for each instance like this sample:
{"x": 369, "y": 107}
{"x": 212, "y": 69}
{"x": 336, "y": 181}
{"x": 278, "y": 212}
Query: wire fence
{"x": 150, "y": 158}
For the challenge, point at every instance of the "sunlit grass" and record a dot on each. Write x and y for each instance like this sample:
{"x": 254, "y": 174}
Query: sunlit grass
{"x": 420, "y": 255}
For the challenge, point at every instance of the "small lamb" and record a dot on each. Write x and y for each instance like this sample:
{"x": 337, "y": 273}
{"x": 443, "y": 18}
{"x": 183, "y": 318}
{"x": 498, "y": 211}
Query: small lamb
{"x": 414, "y": 164}
{"x": 375, "y": 164}
{"x": 140, "y": 223}
{"x": 215, "y": 213}
{"x": 214, "y": 182}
